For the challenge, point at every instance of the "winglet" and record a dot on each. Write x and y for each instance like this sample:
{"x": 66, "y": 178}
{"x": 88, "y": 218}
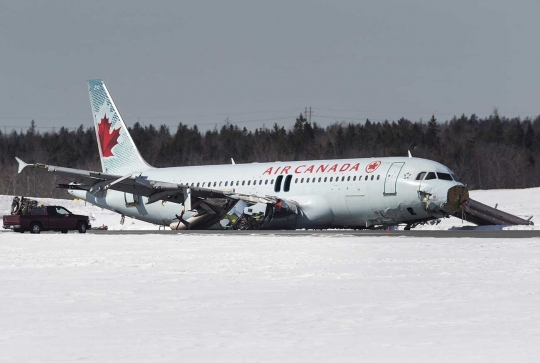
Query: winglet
{"x": 22, "y": 164}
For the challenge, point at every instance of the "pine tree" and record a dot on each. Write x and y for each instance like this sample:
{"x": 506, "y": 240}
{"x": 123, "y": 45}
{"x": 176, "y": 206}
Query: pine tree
{"x": 432, "y": 133}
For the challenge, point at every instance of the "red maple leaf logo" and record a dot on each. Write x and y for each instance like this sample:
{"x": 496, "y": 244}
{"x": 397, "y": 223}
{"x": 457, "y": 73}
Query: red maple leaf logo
{"x": 372, "y": 166}
{"x": 107, "y": 139}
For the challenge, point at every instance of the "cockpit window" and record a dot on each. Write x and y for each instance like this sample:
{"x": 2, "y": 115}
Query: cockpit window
{"x": 444, "y": 176}
{"x": 454, "y": 177}
{"x": 421, "y": 176}
{"x": 431, "y": 175}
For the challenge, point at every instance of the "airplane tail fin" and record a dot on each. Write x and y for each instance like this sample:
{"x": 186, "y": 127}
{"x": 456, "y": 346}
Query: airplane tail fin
{"x": 117, "y": 151}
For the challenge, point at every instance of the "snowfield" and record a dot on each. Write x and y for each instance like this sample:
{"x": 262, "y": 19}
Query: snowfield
{"x": 223, "y": 298}
{"x": 521, "y": 202}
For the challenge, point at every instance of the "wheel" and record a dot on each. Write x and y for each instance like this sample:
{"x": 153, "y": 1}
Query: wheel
{"x": 81, "y": 227}
{"x": 63, "y": 231}
{"x": 35, "y": 228}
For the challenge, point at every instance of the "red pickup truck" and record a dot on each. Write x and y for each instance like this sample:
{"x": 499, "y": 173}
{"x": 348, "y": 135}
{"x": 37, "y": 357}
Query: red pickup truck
{"x": 49, "y": 218}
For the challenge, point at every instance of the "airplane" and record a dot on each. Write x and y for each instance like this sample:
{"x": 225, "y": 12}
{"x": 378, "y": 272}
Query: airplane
{"x": 316, "y": 194}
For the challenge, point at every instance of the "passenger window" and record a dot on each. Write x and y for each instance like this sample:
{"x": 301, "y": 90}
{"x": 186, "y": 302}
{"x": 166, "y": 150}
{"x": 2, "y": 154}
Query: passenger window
{"x": 295, "y": 180}
{"x": 331, "y": 178}
{"x": 320, "y": 180}
{"x": 249, "y": 182}
{"x": 348, "y": 178}
{"x": 266, "y": 181}
{"x": 372, "y": 177}
{"x": 325, "y": 179}
{"x": 197, "y": 185}
{"x": 378, "y": 177}
{"x": 354, "y": 178}
{"x": 342, "y": 178}
{"x": 431, "y": 175}
{"x": 367, "y": 176}
{"x": 237, "y": 182}
{"x": 302, "y": 180}
{"x": 260, "y": 182}
{"x": 243, "y": 182}
{"x": 444, "y": 176}
{"x": 272, "y": 181}
{"x": 226, "y": 183}
{"x": 313, "y": 181}
{"x": 421, "y": 176}
{"x": 220, "y": 183}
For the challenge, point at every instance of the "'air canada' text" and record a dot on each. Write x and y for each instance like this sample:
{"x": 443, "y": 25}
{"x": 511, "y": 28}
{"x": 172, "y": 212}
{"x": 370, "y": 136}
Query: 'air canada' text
{"x": 305, "y": 169}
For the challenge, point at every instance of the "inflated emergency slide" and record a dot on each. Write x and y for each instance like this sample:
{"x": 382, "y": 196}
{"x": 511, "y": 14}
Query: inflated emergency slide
{"x": 484, "y": 215}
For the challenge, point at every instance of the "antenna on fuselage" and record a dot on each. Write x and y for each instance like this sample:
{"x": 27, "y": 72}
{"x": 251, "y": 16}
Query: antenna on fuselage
{"x": 232, "y": 161}
{"x": 409, "y": 152}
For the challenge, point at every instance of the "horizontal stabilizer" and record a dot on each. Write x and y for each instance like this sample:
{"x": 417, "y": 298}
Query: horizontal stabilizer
{"x": 22, "y": 164}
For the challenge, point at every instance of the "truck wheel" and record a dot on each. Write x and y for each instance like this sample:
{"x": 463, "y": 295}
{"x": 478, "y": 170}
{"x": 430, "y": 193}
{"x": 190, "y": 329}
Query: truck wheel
{"x": 35, "y": 228}
{"x": 81, "y": 227}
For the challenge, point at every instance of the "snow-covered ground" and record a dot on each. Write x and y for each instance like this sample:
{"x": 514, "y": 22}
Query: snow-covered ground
{"x": 521, "y": 202}
{"x": 196, "y": 298}
{"x": 223, "y": 298}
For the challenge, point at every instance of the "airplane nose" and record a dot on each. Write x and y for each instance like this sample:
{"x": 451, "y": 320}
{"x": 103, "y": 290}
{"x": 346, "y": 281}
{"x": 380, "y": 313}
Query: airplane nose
{"x": 457, "y": 195}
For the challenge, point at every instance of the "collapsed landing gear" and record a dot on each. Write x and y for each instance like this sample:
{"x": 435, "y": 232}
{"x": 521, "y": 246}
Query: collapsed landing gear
{"x": 432, "y": 222}
{"x": 203, "y": 214}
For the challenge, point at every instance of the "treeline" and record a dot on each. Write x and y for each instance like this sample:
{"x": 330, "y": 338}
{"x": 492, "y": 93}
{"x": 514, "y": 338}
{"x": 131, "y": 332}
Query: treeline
{"x": 486, "y": 153}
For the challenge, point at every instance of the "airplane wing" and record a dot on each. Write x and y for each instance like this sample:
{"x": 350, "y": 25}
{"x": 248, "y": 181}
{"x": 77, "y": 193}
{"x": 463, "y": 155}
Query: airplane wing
{"x": 154, "y": 190}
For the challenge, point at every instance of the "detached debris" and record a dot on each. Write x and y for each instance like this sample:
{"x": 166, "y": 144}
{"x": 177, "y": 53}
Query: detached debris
{"x": 22, "y": 206}
{"x": 103, "y": 227}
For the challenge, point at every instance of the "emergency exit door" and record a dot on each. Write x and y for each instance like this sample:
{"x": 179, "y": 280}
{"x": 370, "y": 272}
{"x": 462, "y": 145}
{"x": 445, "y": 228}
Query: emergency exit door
{"x": 391, "y": 178}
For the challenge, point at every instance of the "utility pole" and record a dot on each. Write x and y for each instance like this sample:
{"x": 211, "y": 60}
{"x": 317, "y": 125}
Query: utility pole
{"x": 307, "y": 114}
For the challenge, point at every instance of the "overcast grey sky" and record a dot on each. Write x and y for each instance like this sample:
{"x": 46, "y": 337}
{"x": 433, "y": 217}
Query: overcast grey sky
{"x": 198, "y": 62}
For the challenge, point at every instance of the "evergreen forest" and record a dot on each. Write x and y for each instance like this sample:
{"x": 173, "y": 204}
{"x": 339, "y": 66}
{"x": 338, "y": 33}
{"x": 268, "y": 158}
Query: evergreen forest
{"x": 485, "y": 153}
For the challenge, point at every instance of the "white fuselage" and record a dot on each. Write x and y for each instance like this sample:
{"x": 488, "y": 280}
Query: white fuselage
{"x": 330, "y": 193}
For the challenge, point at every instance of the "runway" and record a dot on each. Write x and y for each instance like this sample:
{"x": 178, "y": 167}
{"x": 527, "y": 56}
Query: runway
{"x": 339, "y": 233}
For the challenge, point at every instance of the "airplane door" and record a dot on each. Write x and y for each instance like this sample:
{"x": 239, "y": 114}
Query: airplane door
{"x": 391, "y": 178}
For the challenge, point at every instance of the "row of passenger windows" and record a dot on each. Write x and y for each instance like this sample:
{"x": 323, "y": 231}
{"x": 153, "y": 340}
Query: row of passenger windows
{"x": 280, "y": 178}
{"x": 433, "y": 175}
